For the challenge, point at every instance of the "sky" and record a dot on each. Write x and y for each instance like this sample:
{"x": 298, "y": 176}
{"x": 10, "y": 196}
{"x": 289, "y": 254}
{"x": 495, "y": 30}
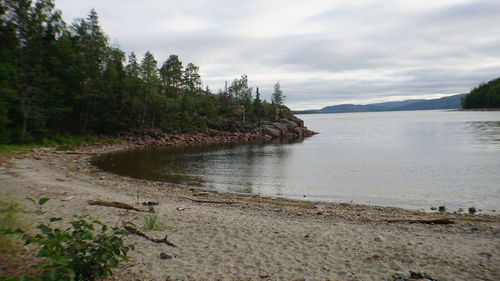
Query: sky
{"x": 322, "y": 52}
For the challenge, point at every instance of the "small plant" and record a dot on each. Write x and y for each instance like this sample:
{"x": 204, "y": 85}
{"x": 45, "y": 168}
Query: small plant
{"x": 87, "y": 250}
{"x": 153, "y": 222}
{"x": 111, "y": 141}
{"x": 10, "y": 218}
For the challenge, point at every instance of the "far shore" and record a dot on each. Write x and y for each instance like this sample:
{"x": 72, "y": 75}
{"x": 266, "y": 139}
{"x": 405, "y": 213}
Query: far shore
{"x": 477, "y": 109}
{"x": 223, "y": 236}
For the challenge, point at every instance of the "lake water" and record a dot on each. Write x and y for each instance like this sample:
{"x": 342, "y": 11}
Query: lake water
{"x": 410, "y": 159}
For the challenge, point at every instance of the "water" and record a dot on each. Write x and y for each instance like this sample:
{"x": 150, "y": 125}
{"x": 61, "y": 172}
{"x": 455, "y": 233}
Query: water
{"x": 410, "y": 159}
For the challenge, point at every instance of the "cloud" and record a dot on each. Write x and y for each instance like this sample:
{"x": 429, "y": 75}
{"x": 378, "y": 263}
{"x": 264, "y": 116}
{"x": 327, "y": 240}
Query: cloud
{"x": 323, "y": 52}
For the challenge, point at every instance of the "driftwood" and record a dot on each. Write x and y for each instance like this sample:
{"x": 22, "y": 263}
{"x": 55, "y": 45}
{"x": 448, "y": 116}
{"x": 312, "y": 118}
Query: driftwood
{"x": 427, "y": 221}
{"x": 139, "y": 233}
{"x": 209, "y": 201}
{"x": 150, "y": 203}
{"x": 119, "y": 205}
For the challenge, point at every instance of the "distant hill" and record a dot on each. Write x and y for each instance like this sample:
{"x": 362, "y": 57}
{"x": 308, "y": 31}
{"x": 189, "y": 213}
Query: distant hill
{"x": 451, "y": 102}
{"x": 484, "y": 96}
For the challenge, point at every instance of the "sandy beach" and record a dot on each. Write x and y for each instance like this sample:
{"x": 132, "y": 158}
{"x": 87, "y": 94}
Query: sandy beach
{"x": 232, "y": 237}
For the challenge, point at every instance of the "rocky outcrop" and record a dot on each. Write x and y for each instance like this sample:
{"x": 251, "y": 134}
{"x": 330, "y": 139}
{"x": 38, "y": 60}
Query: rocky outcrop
{"x": 232, "y": 132}
{"x": 291, "y": 127}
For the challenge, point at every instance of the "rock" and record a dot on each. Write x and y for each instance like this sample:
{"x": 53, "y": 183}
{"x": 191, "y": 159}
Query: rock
{"x": 164, "y": 256}
{"x": 402, "y": 274}
{"x": 433, "y": 208}
{"x": 271, "y": 131}
{"x": 378, "y": 238}
{"x": 320, "y": 209}
{"x": 296, "y": 120}
{"x": 280, "y": 126}
{"x": 264, "y": 275}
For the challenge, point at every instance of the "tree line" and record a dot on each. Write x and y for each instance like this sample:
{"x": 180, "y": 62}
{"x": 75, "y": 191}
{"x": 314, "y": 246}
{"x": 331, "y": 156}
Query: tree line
{"x": 67, "y": 79}
{"x": 486, "y": 95}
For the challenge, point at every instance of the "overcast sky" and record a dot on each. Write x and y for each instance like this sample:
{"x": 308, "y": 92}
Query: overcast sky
{"x": 322, "y": 52}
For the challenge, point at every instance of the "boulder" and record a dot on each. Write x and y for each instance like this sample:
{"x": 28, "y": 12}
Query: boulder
{"x": 271, "y": 131}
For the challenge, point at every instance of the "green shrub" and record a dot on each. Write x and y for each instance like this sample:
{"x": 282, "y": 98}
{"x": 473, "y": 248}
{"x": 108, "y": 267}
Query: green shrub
{"x": 87, "y": 250}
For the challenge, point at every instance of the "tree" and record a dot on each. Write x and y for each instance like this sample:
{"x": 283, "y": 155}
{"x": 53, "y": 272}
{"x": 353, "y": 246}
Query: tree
{"x": 57, "y": 79}
{"x": 257, "y": 106}
{"x": 277, "y": 100}
{"x": 486, "y": 95}
{"x": 92, "y": 46}
{"x": 191, "y": 78}
{"x": 30, "y": 28}
{"x": 150, "y": 82}
{"x": 243, "y": 94}
{"x": 133, "y": 87}
{"x": 171, "y": 75}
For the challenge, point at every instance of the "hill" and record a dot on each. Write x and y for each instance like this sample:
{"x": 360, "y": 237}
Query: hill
{"x": 451, "y": 102}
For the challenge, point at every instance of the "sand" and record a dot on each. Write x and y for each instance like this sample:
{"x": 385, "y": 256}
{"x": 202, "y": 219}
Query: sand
{"x": 256, "y": 238}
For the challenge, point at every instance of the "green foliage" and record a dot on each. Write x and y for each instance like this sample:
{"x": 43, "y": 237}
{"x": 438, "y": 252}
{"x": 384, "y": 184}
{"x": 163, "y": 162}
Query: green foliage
{"x": 10, "y": 218}
{"x": 153, "y": 222}
{"x": 68, "y": 80}
{"x": 4, "y": 148}
{"x": 484, "y": 96}
{"x": 86, "y": 250}
{"x": 277, "y": 100}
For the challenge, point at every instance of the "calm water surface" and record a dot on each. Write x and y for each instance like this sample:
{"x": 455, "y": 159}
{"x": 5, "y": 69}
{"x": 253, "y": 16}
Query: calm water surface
{"x": 411, "y": 159}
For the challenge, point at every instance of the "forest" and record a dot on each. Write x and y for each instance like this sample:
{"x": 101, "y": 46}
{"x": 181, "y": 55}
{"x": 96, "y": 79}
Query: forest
{"x": 486, "y": 95}
{"x": 67, "y": 79}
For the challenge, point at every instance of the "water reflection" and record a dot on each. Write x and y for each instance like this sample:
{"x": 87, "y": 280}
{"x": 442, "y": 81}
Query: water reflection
{"x": 226, "y": 167}
{"x": 487, "y": 132}
{"x": 403, "y": 159}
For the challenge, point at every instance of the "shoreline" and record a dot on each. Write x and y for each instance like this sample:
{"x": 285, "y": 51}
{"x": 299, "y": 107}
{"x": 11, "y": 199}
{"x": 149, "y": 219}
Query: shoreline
{"x": 239, "y": 138}
{"x": 252, "y": 237}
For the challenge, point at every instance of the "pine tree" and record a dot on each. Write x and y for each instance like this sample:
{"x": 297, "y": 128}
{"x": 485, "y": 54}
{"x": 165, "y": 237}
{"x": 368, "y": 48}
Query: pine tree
{"x": 191, "y": 78}
{"x": 171, "y": 75}
{"x": 150, "y": 83}
{"x": 277, "y": 100}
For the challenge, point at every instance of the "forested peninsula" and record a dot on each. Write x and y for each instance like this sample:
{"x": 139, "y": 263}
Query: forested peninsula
{"x": 59, "y": 79}
{"x": 484, "y": 96}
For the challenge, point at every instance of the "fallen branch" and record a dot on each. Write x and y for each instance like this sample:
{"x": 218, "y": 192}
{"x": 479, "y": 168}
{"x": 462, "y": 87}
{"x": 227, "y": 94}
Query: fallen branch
{"x": 119, "y": 205}
{"x": 150, "y": 203}
{"x": 428, "y": 221}
{"x": 209, "y": 201}
{"x": 139, "y": 233}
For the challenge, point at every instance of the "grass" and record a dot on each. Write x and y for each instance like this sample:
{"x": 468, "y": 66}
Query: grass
{"x": 4, "y": 148}
{"x": 64, "y": 142}
{"x": 153, "y": 222}
{"x": 10, "y": 218}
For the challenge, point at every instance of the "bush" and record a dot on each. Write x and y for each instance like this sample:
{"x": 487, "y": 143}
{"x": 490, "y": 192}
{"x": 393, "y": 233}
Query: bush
{"x": 87, "y": 250}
